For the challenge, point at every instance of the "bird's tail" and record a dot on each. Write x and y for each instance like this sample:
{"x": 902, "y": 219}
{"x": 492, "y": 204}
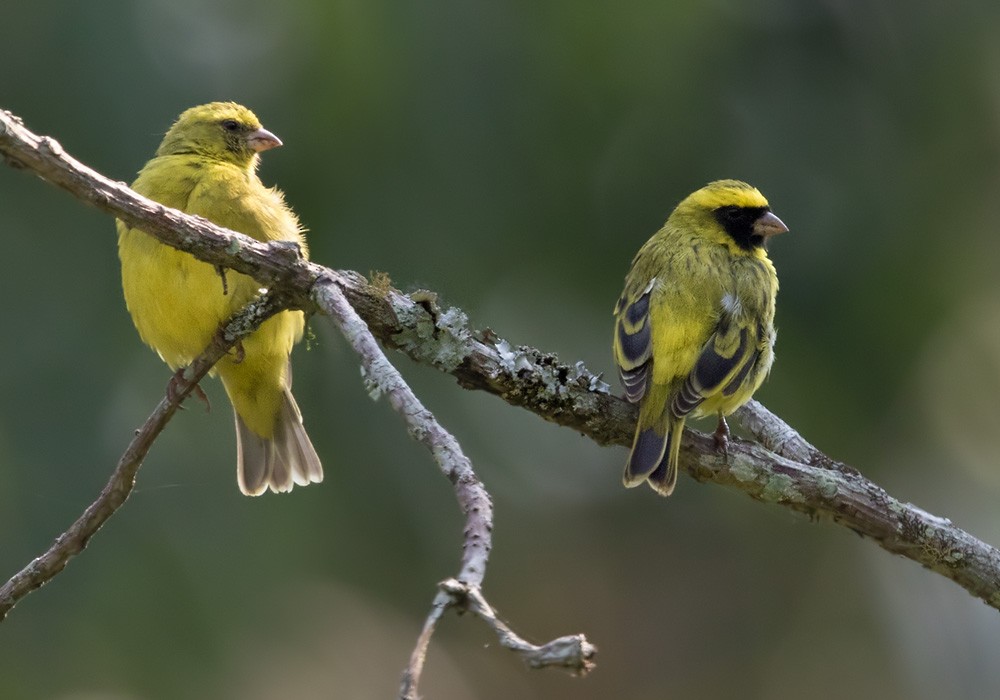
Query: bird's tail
{"x": 655, "y": 452}
{"x": 281, "y": 461}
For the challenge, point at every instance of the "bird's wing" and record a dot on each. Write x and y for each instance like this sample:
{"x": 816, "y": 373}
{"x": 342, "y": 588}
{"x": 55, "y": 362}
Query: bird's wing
{"x": 633, "y": 344}
{"x": 723, "y": 363}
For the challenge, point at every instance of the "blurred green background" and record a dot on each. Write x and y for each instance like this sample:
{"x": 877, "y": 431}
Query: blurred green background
{"x": 512, "y": 156}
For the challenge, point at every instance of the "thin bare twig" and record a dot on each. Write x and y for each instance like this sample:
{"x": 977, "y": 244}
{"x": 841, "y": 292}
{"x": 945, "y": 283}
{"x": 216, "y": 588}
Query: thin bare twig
{"x": 383, "y": 378}
{"x": 572, "y": 652}
{"x": 74, "y": 540}
{"x": 413, "y": 671}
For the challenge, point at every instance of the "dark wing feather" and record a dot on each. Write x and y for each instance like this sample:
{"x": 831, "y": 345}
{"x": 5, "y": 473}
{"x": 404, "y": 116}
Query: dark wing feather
{"x": 633, "y": 343}
{"x": 722, "y": 366}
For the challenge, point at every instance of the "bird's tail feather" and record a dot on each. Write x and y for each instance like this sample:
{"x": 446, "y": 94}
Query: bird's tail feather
{"x": 648, "y": 449}
{"x": 654, "y": 456}
{"x": 279, "y": 462}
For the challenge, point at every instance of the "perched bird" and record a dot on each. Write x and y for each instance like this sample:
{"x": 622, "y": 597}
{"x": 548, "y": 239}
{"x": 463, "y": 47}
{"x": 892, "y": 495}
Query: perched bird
{"x": 206, "y": 165}
{"x": 694, "y": 327}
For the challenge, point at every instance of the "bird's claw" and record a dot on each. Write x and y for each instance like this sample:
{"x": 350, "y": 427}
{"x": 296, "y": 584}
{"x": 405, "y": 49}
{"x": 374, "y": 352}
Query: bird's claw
{"x": 721, "y": 437}
{"x": 239, "y": 354}
{"x": 174, "y": 390}
{"x": 225, "y": 283}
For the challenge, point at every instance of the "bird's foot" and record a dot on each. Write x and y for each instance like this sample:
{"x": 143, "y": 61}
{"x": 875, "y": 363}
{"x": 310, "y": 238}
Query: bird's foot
{"x": 225, "y": 284}
{"x": 721, "y": 436}
{"x": 174, "y": 390}
{"x": 203, "y": 397}
{"x": 238, "y": 353}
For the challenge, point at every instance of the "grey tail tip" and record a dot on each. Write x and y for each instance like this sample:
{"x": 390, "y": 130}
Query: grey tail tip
{"x": 663, "y": 480}
{"x": 646, "y": 460}
{"x": 279, "y": 463}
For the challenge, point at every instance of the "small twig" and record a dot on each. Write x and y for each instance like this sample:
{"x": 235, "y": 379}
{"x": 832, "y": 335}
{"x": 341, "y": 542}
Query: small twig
{"x": 383, "y": 378}
{"x": 572, "y": 652}
{"x": 74, "y": 540}
{"x": 411, "y": 674}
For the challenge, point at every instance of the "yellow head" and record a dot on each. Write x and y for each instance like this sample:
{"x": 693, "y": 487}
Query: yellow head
{"x": 731, "y": 212}
{"x": 219, "y": 130}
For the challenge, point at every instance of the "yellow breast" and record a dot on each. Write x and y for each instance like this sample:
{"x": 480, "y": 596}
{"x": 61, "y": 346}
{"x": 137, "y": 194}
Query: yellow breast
{"x": 176, "y": 301}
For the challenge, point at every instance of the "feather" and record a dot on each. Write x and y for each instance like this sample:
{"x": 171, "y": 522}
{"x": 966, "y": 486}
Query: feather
{"x": 647, "y": 454}
{"x": 280, "y": 462}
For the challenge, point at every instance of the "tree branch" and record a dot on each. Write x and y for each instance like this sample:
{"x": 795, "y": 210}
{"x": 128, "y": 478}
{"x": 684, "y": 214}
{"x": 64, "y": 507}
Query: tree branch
{"x": 475, "y": 502}
{"x": 382, "y": 378}
{"x": 794, "y": 475}
{"x": 74, "y": 540}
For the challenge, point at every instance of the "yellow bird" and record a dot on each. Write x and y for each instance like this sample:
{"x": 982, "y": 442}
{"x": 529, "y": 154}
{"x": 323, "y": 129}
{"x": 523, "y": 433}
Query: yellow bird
{"x": 207, "y": 165}
{"x": 694, "y": 326}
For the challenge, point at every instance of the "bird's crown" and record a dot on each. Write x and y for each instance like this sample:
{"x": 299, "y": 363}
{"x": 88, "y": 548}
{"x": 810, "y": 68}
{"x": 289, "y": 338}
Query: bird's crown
{"x": 726, "y": 193}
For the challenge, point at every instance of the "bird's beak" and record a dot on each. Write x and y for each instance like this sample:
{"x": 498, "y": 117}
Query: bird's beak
{"x": 769, "y": 225}
{"x": 262, "y": 140}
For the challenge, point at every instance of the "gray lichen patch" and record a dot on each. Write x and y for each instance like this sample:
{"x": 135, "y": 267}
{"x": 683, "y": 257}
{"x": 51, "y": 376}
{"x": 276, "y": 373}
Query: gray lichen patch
{"x": 742, "y": 470}
{"x": 781, "y": 488}
{"x": 512, "y": 360}
{"x": 826, "y": 486}
{"x": 583, "y": 377}
{"x": 775, "y": 488}
{"x": 453, "y": 336}
{"x": 443, "y": 341}
{"x": 371, "y": 384}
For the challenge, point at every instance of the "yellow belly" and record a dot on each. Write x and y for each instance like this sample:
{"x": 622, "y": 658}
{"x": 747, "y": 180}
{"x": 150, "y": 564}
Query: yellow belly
{"x": 176, "y": 301}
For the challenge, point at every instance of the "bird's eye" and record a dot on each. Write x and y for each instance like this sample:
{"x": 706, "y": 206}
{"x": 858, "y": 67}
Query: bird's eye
{"x": 730, "y": 212}
{"x": 230, "y": 125}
